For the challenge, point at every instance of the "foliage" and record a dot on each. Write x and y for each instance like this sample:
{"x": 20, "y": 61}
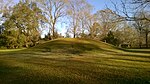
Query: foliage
{"x": 21, "y": 29}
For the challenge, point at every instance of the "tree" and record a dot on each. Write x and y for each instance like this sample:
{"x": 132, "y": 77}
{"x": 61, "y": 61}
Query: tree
{"x": 67, "y": 34}
{"x": 21, "y": 28}
{"x": 126, "y": 34}
{"x": 53, "y": 10}
{"x": 141, "y": 4}
{"x": 86, "y": 19}
{"x": 94, "y": 31}
{"x": 4, "y": 5}
{"x": 5, "y": 8}
{"x": 4, "y": 15}
{"x": 143, "y": 26}
{"x": 129, "y": 8}
{"x": 78, "y": 11}
{"x": 139, "y": 26}
{"x": 107, "y": 20}
{"x": 137, "y": 12}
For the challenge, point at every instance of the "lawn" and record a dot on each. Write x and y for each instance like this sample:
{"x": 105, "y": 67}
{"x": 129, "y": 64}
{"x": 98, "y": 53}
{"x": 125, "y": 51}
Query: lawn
{"x": 74, "y": 61}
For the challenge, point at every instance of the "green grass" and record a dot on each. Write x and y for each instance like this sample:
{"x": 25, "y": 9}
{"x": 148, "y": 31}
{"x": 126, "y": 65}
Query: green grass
{"x": 74, "y": 61}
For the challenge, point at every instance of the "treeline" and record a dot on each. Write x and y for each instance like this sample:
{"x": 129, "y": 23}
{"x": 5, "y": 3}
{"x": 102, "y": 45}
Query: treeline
{"x": 23, "y": 23}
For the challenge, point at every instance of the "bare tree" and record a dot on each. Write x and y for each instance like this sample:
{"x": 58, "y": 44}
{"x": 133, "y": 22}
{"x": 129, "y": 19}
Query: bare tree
{"x": 95, "y": 31}
{"x": 53, "y": 10}
{"x": 86, "y": 19}
{"x": 78, "y": 11}
{"x": 143, "y": 26}
{"x": 139, "y": 26}
{"x": 129, "y": 9}
{"x": 141, "y": 3}
{"x": 136, "y": 11}
{"x": 107, "y": 20}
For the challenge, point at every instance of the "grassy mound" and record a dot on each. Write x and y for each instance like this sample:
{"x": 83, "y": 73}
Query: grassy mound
{"x": 72, "y": 46}
{"x": 90, "y": 62}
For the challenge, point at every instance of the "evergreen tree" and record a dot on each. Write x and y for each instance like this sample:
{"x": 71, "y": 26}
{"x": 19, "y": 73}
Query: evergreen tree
{"x": 21, "y": 29}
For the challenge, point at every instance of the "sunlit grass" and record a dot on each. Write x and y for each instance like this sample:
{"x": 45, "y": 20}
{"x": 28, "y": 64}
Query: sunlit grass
{"x": 87, "y": 62}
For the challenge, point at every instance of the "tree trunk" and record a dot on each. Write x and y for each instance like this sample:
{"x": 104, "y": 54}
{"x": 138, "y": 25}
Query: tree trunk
{"x": 74, "y": 32}
{"x": 53, "y": 30}
{"x": 146, "y": 39}
{"x": 49, "y": 34}
{"x": 140, "y": 43}
{"x": 74, "y": 35}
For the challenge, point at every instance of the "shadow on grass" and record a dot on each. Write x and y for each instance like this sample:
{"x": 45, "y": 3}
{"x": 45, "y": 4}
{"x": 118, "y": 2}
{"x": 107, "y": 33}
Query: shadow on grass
{"x": 19, "y": 75}
{"x": 8, "y": 74}
{"x": 74, "y": 69}
{"x": 134, "y": 60}
{"x": 136, "y": 50}
{"x": 130, "y": 57}
{"x": 89, "y": 70}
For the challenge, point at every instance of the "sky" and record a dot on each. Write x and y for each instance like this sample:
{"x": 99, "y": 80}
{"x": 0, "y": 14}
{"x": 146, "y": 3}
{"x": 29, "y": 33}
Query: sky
{"x": 100, "y": 4}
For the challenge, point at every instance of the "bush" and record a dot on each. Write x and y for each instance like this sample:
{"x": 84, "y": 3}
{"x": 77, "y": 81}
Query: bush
{"x": 111, "y": 39}
{"x": 3, "y": 41}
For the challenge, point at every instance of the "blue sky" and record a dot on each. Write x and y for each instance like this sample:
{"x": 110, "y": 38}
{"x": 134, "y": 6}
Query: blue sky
{"x": 100, "y": 4}
{"x": 97, "y": 4}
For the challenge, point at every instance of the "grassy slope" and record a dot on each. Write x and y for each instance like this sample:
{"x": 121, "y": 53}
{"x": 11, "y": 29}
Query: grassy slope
{"x": 74, "y": 61}
{"x": 73, "y": 46}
